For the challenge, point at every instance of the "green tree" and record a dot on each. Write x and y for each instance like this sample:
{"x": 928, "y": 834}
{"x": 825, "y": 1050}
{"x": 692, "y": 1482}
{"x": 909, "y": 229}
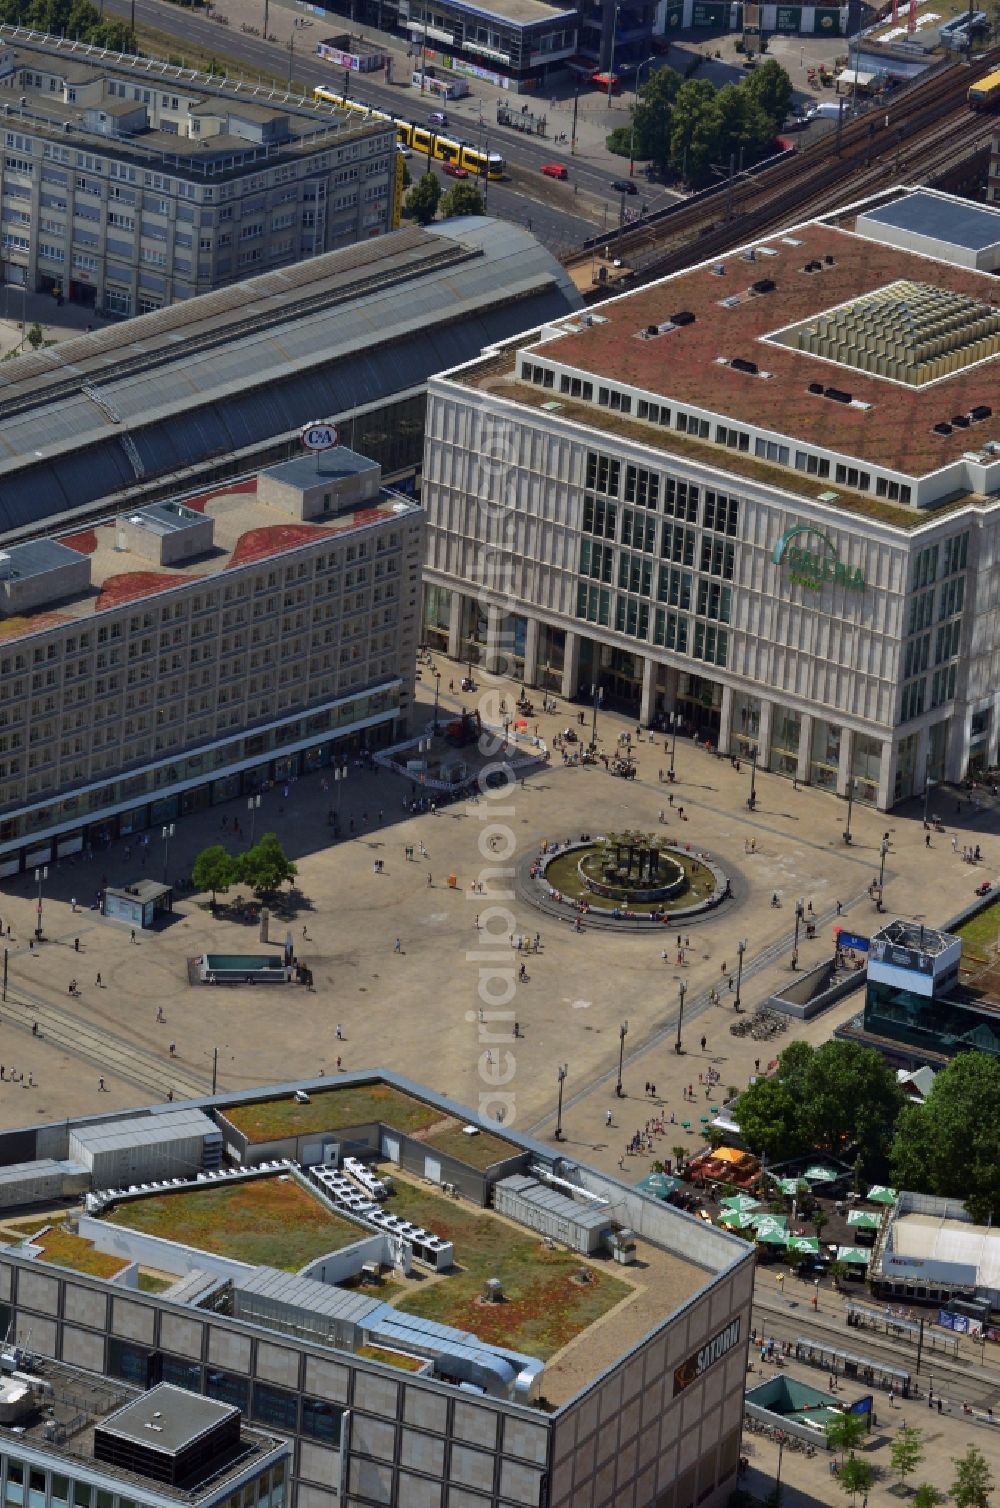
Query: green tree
{"x": 851, "y": 1098}
{"x": 856, "y": 1476}
{"x": 771, "y": 88}
{"x": 461, "y": 199}
{"x": 947, "y": 1145}
{"x": 694, "y": 129}
{"x": 266, "y": 866}
{"x": 819, "y": 1219}
{"x": 35, "y": 335}
{"x": 215, "y": 870}
{"x": 973, "y": 1480}
{"x": 845, "y": 1433}
{"x": 651, "y": 119}
{"x": 907, "y": 1452}
{"x": 744, "y": 128}
{"x": 768, "y": 1118}
{"x": 423, "y": 199}
{"x": 927, "y": 1496}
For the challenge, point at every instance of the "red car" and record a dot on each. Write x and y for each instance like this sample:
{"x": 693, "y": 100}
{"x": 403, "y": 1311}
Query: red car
{"x": 555, "y": 170}
{"x": 454, "y": 171}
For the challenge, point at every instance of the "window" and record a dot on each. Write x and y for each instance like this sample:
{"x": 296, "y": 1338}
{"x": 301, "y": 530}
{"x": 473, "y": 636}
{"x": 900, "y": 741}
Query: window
{"x": 915, "y": 656}
{"x": 718, "y": 558}
{"x": 674, "y": 587}
{"x": 925, "y": 567}
{"x": 275, "y": 1406}
{"x": 321, "y": 1420}
{"x": 227, "y": 1387}
{"x": 129, "y": 1361}
{"x": 955, "y": 554}
{"x": 678, "y": 544}
{"x": 635, "y": 574}
{"x": 714, "y": 600}
{"x": 596, "y": 561}
{"x": 681, "y": 500}
{"x": 641, "y": 486}
{"x": 603, "y": 474}
{"x": 689, "y": 424}
{"x": 721, "y": 512}
{"x": 638, "y": 530}
{"x": 770, "y": 450}
{"x": 952, "y": 597}
{"x": 853, "y": 477}
{"x": 710, "y": 643}
{"x": 913, "y": 700}
{"x": 594, "y": 604}
{"x": 599, "y": 517}
{"x": 670, "y": 631}
{"x": 921, "y": 612}
{"x": 736, "y": 439}
{"x": 943, "y": 685}
{"x": 183, "y": 1374}
{"x": 947, "y": 641}
{"x": 632, "y": 617}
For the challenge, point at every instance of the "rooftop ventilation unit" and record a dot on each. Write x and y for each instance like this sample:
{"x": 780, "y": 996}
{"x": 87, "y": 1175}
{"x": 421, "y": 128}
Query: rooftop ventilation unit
{"x": 685, "y": 317}
{"x": 960, "y": 421}
{"x": 813, "y": 266}
{"x": 740, "y": 364}
{"x": 763, "y": 285}
{"x": 719, "y": 269}
{"x": 817, "y": 388}
{"x": 829, "y": 260}
{"x": 942, "y": 429}
{"x": 981, "y": 411}
{"x": 749, "y": 254}
{"x": 652, "y": 330}
{"x": 837, "y": 394}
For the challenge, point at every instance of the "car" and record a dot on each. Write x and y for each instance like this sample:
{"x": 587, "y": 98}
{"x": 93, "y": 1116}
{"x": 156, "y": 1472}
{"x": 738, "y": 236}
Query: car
{"x": 438, "y": 118}
{"x": 454, "y": 171}
{"x": 555, "y": 170}
{"x": 624, "y": 186}
{"x": 403, "y": 151}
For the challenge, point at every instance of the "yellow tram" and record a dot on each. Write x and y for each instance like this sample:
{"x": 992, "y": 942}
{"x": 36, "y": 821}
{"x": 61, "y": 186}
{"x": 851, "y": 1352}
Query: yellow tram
{"x": 423, "y": 138}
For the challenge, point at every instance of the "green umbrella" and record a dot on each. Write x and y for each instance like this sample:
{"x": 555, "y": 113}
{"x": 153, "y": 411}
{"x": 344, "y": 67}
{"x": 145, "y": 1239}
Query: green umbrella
{"x": 772, "y": 1237}
{"x": 879, "y": 1194}
{"x": 809, "y": 1245}
{"x": 714, "y": 1109}
{"x": 864, "y": 1219}
{"x": 686, "y": 1125}
{"x": 734, "y": 1219}
{"x": 853, "y": 1255}
{"x": 820, "y": 1174}
{"x": 659, "y": 1185}
{"x": 791, "y": 1186}
{"x": 767, "y": 1222}
{"x": 704, "y": 1119}
{"x": 740, "y": 1202}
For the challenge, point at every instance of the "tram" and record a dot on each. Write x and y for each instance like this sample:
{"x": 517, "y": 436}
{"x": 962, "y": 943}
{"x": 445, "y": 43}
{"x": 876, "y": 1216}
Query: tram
{"x": 422, "y": 138}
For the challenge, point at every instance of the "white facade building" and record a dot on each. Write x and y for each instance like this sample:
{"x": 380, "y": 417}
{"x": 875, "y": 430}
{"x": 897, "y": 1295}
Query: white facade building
{"x": 758, "y": 496}
{"x": 127, "y": 183}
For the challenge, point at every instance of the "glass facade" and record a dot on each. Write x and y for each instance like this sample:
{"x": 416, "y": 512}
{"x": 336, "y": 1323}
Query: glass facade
{"x": 825, "y": 760}
{"x": 866, "y": 767}
{"x": 942, "y": 1026}
{"x": 786, "y": 731}
{"x": 744, "y": 734}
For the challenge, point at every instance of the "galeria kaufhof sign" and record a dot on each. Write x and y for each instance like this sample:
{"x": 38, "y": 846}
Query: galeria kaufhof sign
{"x": 814, "y": 566}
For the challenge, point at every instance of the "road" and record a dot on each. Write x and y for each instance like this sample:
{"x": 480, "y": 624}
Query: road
{"x": 561, "y": 215}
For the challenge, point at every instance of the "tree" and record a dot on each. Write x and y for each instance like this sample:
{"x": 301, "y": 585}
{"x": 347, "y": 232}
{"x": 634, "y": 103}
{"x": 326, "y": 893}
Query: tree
{"x": 947, "y": 1145}
{"x": 927, "y": 1496}
{"x": 856, "y": 1476}
{"x": 851, "y": 1098}
{"x": 423, "y": 199}
{"x": 907, "y": 1452}
{"x": 35, "y": 335}
{"x": 215, "y": 870}
{"x": 768, "y": 1117}
{"x": 819, "y": 1219}
{"x": 651, "y": 120}
{"x": 845, "y": 1433}
{"x": 771, "y": 88}
{"x": 694, "y": 129}
{"x": 743, "y": 126}
{"x": 266, "y": 866}
{"x": 461, "y": 199}
{"x": 973, "y": 1480}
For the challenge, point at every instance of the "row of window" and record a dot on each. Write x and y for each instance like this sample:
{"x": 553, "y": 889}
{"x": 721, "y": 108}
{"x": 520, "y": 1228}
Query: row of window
{"x": 671, "y": 631}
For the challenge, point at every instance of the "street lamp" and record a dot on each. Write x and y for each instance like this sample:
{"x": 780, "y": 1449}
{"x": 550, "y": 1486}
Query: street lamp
{"x": 673, "y": 742}
{"x": 883, "y": 850}
{"x": 339, "y": 776}
{"x": 850, "y": 808}
{"x": 42, "y": 873}
{"x": 437, "y": 693}
{"x": 752, "y": 798}
{"x": 253, "y": 806}
{"x": 681, "y": 990}
{"x": 741, "y": 948}
{"x": 167, "y": 834}
{"x": 597, "y": 692}
{"x": 800, "y": 911}
{"x": 927, "y": 790}
{"x": 635, "y": 106}
{"x": 561, "y": 1072}
{"x": 622, "y": 1034}
{"x": 614, "y": 39}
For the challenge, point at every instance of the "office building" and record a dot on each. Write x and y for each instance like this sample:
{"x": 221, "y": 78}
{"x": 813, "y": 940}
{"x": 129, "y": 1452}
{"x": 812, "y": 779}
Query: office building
{"x": 218, "y": 387}
{"x": 594, "y": 1355}
{"x": 128, "y": 184}
{"x": 177, "y": 656}
{"x": 758, "y": 497}
{"x": 68, "y": 1438}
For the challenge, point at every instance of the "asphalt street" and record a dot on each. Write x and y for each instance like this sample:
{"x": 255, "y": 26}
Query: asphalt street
{"x": 561, "y": 215}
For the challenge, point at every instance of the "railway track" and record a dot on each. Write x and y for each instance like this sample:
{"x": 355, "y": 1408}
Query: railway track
{"x": 921, "y": 120}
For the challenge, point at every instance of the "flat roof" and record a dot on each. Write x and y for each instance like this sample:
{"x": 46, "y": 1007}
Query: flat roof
{"x": 168, "y": 1418}
{"x": 956, "y": 222}
{"x": 246, "y": 530}
{"x": 524, "y": 12}
{"x": 917, "y": 937}
{"x": 36, "y": 557}
{"x": 935, "y": 1238}
{"x": 888, "y": 424}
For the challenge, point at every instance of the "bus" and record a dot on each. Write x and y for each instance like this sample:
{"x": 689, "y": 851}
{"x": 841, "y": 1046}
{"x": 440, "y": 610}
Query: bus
{"x": 986, "y": 94}
{"x": 475, "y": 160}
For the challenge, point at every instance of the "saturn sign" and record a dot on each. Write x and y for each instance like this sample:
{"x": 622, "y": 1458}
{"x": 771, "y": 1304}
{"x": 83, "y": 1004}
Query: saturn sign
{"x": 320, "y": 436}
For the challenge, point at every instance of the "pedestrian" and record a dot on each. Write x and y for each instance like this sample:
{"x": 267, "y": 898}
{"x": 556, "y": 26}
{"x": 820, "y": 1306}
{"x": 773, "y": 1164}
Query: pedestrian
{"x": 399, "y": 946}
{"x": 340, "y": 1032}
{"x": 927, "y": 840}
{"x": 133, "y": 935}
{"x": 430, "y": 881}
{"x": 608, "y": 1118}
{"x": 100, "y": 1085}
{"x": 99, "y": 982}
{"x": 305, "y": 933}
{"x": 839, "y": 908}
{"x": 756, "y": 1065}
{"x": 339, "y": 1061}
{"x": 704, "y": 1043}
